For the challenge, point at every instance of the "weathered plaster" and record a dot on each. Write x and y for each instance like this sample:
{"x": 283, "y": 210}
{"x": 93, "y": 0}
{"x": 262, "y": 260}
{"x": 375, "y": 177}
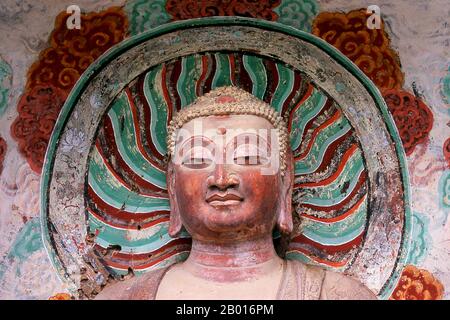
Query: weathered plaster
{"x": 418, "y": 30}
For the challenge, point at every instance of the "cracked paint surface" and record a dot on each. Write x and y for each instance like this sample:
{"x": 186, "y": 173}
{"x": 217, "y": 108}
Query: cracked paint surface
{"x": 424, "y": 64}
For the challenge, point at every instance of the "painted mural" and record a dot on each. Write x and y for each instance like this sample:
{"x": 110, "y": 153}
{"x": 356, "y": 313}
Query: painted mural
{"x": 38, "y": 71}
{"x": 51, "y": 78}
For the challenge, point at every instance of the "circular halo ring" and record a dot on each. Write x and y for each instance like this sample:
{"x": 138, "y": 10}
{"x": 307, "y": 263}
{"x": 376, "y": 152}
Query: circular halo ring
{"x": 361, "y": 103}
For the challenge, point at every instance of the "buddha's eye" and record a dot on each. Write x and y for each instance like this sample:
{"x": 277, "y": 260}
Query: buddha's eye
{"x": 250, "y": 155}
{"x": 197, "y": 163}
{"x": 197, "y": 158}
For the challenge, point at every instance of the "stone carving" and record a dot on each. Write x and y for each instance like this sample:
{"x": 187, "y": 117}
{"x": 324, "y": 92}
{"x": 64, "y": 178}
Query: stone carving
{"x": 118, "y": 187}
{"x": 230, "y": 184}
{"x": 325, "y": 149}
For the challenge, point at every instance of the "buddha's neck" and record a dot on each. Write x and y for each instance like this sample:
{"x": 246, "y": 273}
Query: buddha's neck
{"x": 233, "y": 262}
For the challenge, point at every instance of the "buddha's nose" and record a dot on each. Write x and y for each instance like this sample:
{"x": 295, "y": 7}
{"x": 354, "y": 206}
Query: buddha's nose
{"x": 222, "y": 179}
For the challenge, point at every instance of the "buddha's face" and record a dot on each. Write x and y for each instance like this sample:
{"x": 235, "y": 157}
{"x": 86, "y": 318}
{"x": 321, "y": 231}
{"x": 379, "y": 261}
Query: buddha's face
{"x": 223, "y": 184}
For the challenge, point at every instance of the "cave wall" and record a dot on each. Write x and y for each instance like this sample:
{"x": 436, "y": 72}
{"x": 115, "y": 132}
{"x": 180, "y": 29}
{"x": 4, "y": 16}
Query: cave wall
{"x": 41, "y": 59}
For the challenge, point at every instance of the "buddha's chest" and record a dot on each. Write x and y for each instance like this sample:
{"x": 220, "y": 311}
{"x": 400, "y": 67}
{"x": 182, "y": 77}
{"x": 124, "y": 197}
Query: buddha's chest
{"x": 184, "y": 287}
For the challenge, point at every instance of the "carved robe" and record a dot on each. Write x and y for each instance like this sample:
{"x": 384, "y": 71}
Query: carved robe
{"x": 299, "y": 282}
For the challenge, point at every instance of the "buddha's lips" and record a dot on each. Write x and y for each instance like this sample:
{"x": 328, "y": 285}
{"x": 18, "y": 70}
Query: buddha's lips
{"x": 223, "y": 199}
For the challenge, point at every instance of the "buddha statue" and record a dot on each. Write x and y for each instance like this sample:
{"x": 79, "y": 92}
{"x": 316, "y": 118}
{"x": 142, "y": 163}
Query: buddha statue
{"x": 230, "y": 178}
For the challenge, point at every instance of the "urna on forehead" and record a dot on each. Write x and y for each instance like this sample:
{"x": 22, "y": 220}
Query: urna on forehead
{"x": 226, "y": 101}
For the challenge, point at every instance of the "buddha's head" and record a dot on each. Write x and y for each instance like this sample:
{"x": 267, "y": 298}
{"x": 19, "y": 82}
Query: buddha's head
{"x": 230, "y": 170}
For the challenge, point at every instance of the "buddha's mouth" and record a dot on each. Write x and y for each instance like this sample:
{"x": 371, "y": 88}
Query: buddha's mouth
{"x": 224, "y": 199}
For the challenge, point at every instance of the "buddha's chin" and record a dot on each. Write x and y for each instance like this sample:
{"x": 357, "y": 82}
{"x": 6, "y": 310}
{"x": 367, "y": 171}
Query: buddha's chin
{"x": 228, "y": 220}
{"x": 224, "y": 226}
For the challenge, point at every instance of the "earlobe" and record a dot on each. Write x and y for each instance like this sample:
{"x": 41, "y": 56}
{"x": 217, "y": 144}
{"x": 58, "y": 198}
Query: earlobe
{"x": 285, "y": 223}
{"x": 175, "y": 224}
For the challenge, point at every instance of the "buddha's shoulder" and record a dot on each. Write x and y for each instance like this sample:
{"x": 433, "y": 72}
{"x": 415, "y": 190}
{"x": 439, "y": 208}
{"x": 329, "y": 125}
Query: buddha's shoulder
{"x": 338, "y": 286}
{"x": 143, "y": 287}
{"x": 121, "y": 290}
{"x": 334, "y": 285}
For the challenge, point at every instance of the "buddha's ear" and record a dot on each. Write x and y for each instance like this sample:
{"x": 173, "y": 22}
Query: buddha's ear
{"x": 175, "y": 224}
{"x": 284, "y": 222}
